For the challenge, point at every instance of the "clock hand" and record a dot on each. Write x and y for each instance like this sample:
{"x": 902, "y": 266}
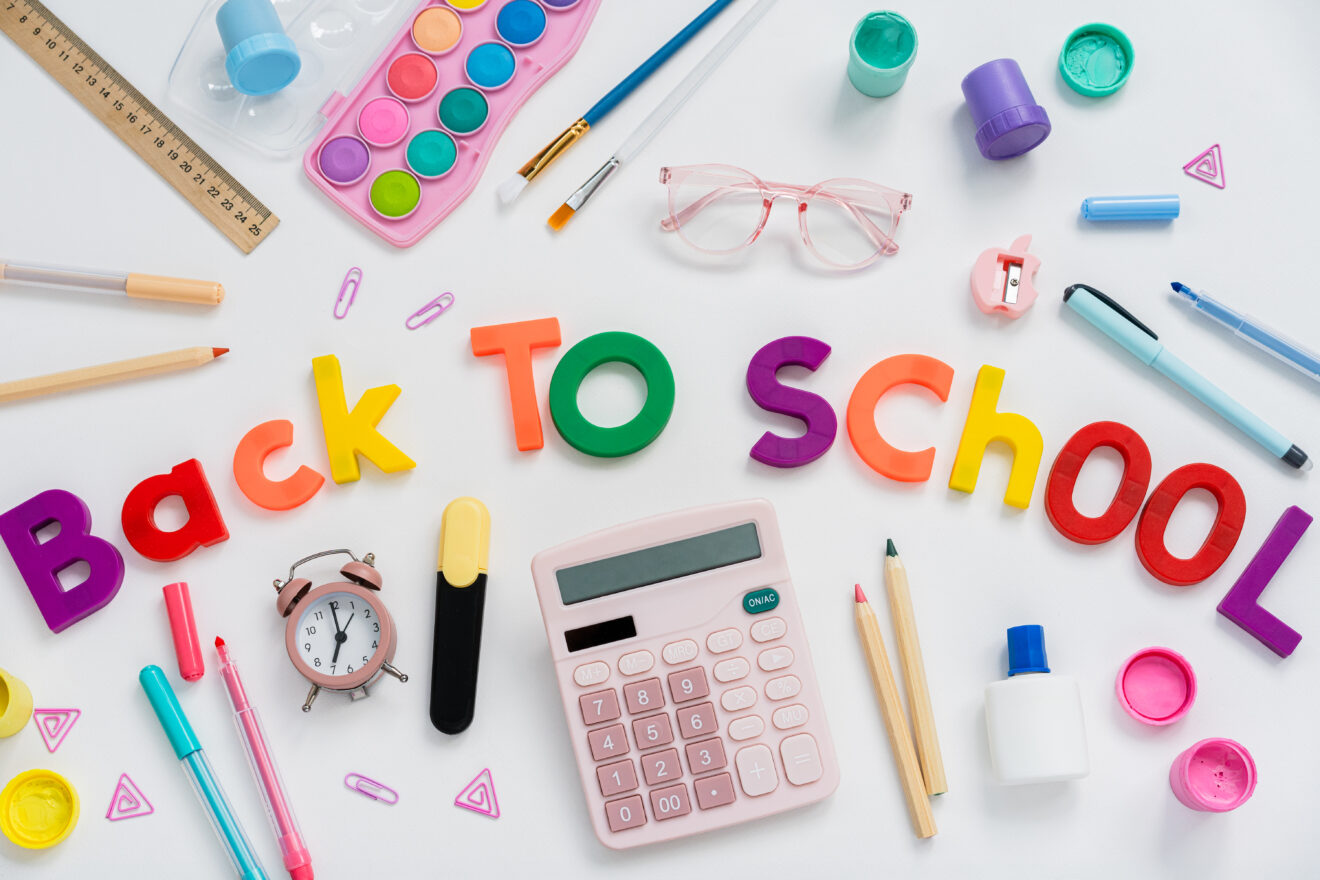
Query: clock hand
{"x": 340, "y": 638}
{"x": 335, "y": 615}
{"x": 347, "y": 622}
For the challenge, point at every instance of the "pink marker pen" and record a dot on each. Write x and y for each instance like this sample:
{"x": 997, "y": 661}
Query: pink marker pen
{"x": 297, "y": 859}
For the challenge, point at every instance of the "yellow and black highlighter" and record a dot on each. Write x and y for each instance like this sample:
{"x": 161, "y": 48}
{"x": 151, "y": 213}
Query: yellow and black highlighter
{"x": 460, "y": 597}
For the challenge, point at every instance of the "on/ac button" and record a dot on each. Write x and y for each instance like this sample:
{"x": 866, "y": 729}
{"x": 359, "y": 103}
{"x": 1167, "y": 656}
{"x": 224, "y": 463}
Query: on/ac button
{"x": 765, "y": 599}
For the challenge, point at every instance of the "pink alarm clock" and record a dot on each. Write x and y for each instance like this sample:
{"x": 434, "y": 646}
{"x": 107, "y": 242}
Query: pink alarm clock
{"x": 342, "y": 638}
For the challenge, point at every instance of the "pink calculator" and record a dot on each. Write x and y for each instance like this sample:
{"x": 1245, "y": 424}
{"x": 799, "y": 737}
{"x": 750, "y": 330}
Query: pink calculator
{"x": 409, "y": 143}
{"x": 691, "y": 698}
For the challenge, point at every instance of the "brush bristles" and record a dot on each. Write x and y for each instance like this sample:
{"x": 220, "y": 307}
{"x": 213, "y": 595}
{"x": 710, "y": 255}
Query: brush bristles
{"x": 559, "y": 219}
{"x": 510, "y": 189}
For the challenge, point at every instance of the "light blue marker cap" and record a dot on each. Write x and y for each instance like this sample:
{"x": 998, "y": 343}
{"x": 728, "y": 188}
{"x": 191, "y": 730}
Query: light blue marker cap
{"x": 1160, "y": 207}
{"x": 169, "y": 712}
{"x": 259, "y": 57}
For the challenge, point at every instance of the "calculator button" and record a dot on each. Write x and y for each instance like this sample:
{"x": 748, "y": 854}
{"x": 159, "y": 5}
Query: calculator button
{"x": 625, "y": 813}
{"x": 714, "y": 791}
{"x": 652, "y": 731}
{"x": 608, "y": 742}
{"x": 769, "y": 629}
{"x": 695, "y": 721}
{"x": 775, "y": 658}
{"x": 659, "y": 767}
{"x": 670, "y": 803}
{"x": 689, "y": 684}
{"x": 783, "y": 687}
{"x": 636, "y": 663}
{"x": 801, "y": 759}
{"x": 643, "y": 696}
{"x": 788, "y": 717}
{"x": 737, "y": 699}
{"x": 724, "y": 641}
{"x": 732, "y": 669}
{"x": 705, "y": 756}
{"x": 756, "y": 770}
{"x": 599, "y": 706}
{"x": 747, "y": 727}
{"x": 591, "y": 673}
{"x": 618, "y": 777}
{"x": 680, "y": 652}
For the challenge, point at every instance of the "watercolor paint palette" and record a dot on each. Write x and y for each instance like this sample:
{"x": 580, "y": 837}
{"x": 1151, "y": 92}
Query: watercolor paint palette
{"x": 409, "y": 143}
{"x": 336, "y": 41}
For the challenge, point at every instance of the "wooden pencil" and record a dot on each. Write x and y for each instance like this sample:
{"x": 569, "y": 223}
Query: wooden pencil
{"x": 914, "y": 673}
{"x": 891, "y": 707}
{"x": 86, "y": 377}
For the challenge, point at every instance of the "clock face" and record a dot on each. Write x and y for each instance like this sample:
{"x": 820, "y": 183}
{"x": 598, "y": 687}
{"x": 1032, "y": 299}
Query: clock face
{"x": 339, "y": 634}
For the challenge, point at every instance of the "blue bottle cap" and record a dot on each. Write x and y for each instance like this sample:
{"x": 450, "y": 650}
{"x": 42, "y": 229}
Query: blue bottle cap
{"x": 1026, "y": 649}
{"x": 259, "y": 57}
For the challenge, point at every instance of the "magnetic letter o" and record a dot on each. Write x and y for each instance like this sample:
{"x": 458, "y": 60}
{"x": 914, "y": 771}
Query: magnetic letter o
{"x": 1132, "y": 487}
{"x": 1218, "y": 544}
{"x": 587, "y": 355}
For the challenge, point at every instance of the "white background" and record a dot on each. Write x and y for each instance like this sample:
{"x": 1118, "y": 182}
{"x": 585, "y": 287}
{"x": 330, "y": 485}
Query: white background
{"x": 782, "y": 107}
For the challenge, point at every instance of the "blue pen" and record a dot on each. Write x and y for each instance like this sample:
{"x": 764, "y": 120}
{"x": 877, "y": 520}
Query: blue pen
{"x": 189, "y": 752}
{"x": 1119, "y": 325}
{"x": 1253, "y": 331}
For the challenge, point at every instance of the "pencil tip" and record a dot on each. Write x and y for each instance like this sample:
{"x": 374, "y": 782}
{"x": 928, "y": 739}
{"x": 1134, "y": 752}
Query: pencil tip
{"x": 889, "y": 547}
{"x": 216, "y": 352}
{"x": 858, "y": 595}
{"x": 219, "y": 642}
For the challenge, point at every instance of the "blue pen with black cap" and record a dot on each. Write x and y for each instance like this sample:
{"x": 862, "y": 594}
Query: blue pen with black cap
{"x": 1121, "y": 326}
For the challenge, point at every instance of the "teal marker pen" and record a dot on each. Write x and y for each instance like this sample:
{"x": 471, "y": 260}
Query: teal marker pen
{"x": 1119, "y": 325}
{"x": 189, "y": 752}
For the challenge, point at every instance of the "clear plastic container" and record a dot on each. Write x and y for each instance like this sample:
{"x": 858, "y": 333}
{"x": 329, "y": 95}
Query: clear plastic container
{"x": 336, "y": 41}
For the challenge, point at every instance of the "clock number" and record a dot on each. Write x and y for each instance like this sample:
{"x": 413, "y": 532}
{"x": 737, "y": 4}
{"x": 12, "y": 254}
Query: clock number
{"x": 367, "y": 613}
{"x": 320, "y": 615}
{"x": 373, "y": 645}
{"x": 350, "y": 669}
{"x": 351, "y": 605}
{"x": 334, "y": 606}
{"x": 332, "y": 669}
{"x": 311, "y": 630}
{"x": 364, "y": 659}
{"x": 376, "y": 627}
{"x": 317, "y": 662}
{"x": 307, "y": 646}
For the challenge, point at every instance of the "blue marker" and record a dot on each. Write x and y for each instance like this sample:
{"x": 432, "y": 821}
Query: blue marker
{"x": 1119, "y": 325}
{"x": 188, "y": 750}
{"x": 1253, "y": 331}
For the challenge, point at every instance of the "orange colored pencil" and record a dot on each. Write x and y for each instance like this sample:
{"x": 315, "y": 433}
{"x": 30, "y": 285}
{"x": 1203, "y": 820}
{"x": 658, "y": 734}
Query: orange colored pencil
{"x": 896, "y": 725}
{"x": 87, "y": 377}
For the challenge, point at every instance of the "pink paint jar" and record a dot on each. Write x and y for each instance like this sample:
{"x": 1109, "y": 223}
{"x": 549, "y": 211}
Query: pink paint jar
{"x": 1214, "y": 776}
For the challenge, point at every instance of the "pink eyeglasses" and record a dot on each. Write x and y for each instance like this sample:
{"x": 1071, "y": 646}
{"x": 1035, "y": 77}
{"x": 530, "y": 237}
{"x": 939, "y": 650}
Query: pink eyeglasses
{"x": 847, "y": 223}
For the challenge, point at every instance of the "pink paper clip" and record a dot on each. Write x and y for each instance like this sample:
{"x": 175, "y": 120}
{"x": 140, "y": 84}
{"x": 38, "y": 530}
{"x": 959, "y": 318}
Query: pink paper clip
{"x": 371, "y": 788}
{"x": 348, "y": 292}
{"x": 429, "y": 312}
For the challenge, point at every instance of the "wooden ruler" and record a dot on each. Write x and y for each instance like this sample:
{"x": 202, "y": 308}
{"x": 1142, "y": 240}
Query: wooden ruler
{"x": 136, "y": 121}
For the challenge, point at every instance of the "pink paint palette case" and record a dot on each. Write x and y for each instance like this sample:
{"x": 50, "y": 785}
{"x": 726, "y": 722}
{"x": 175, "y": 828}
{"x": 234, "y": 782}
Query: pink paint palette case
{"x": 409, "y": 143}
{"x": 691, "y": 699}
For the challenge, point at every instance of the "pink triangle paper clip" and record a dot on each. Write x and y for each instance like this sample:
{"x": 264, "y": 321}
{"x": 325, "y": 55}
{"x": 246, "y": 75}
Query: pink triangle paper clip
{"x": 479, "y": 796}
{"x": 128, "y": 801}
{"x": 429, "y": 312}
{"x": 1208, "y": 167}
{"x": 54, "y": 725}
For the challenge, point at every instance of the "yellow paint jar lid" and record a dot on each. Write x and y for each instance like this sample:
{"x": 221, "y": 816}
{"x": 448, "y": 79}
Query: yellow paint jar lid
{"x": 38, "y": 808}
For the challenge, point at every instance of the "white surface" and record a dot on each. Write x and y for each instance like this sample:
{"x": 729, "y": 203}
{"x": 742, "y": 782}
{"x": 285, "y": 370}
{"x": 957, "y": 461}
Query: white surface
{"x": 782, "y": 106}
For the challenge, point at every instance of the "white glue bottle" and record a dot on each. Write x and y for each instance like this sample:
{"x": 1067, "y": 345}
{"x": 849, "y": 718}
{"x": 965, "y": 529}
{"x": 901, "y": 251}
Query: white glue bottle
{"x": 1034, "y": 718}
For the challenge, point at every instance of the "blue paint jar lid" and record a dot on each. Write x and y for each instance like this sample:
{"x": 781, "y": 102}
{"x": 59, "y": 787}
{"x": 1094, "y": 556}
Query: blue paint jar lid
{"x": 259, "y": 57}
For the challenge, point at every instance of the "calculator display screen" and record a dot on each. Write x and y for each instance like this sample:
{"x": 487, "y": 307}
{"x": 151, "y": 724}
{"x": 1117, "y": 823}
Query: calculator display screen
{"x": 640, "y": 568}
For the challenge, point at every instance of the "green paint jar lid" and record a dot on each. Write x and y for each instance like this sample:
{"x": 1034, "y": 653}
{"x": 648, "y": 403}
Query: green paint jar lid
{"x": 1096, "y": 59}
